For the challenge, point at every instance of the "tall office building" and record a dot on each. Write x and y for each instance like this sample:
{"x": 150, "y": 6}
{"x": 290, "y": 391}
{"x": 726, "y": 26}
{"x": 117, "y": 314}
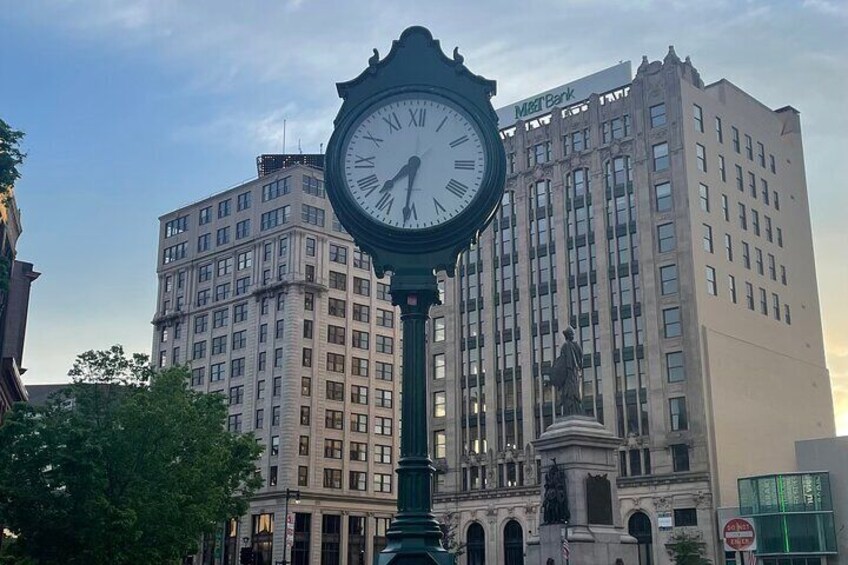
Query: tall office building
{"x": 667, "y": 221}
{"x": 265, "y": 296}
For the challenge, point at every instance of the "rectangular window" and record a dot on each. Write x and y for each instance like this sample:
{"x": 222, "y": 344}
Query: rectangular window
{"x": 383, "y": 454}
{"x": 735, "y": 138}
{"x": 718, "y": 130}
{"x": 303, "y": 445}
{"x": 749, "y": 147}
{"x": 708, "y": 238}
{"x": 382, "y": 482}
{"x": 728, "y": 247}
{"x": 725, "y": 208}
{"x": 358, "y": 394}
{"x": 675, "y": 370}
{"x": 385, "y": 371}
{"x": 666, "y": 240}
{"x": 332, "y": 479}
{"x": 338, "y": 280}
{"x": 680, "y": 457}
{"x": 698, "y": 116}
{"x": 224, "y": 208}
{"x": 337, "y": 308}
{"x": 383, "y": 292}
{"x": 361, "y": 287}
{"x": 438, "y": 329}
{"x": 743, "y": 217}
{"x": 664, "y": 201}
{"x": 204, "y": 216}
{"x": 312, "y": 215}
{"x": 174, "y": 253}
{"x": 711, "y": 281}
{"x": 243, "y": 201}
{"x": 755, "y": 221}
{"x": 684, "y": 517}
{"x": 305, "y": 416}
{"x": 775, "y": 306}
{"x": 204, "y": 242}
{"x": 704, "y": 195}
{"x": 336, "y": 334}
{"x": 701, "y": 157}
{"x": 222, "y": 236}
{"x": 749, "y": 295}
{"x": 217, "y": 372}
{"x": 722, "y": 171}
{"x": 274, "y": 218}
{"x": 761, "y": 155}
{"x": 439, "y": 404}
{"x": 338, "y": 254}
{"x": 359, "y": 367}
{"x": 335, "y": 391}
{"x": 677, "y": 413}
{"x": 358, "y": 451}
{"x": 439, "y": 445}
{"x": 384, "y": 344}
{"x": 660, "y": 154}
{"x": 275, "y": 189}
{"x": 384, "y": 398}
{"x": 439, "y": 366}
{"x": 658, "y": 115}
{"x": 763, "y": 302}
{"x": 668, "y": 280}
{"x": 313, "y": 186}
{"x": 383, "y": 426}
{"x": 334, "y": 419}
{"x": 671, "y": 322}
{"x": 335, "y": 362}
{"x": 385, "y": 318}
{"x": 332, "y": 449}
{"x": 360, "y": 339}
{"x": 359, "y": 423}
{"x": 243, "y": 229}
{"x": 758, "y": 254}
{"x": 746, "y": 255}
{"x": 731, "y": 284}
{"x": 740, "y": 181}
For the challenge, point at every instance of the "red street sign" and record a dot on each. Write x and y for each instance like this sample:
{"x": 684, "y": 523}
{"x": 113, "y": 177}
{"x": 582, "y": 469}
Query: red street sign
{"x": 739, "y": 534}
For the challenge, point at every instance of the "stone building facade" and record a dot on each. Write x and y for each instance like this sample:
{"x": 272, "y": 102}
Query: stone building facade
{"x": 265, "y": 296}
{"x": 667, "y": 221}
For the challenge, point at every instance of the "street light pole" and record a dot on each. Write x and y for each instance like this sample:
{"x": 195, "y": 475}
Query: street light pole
{"x": 289, "y": 494}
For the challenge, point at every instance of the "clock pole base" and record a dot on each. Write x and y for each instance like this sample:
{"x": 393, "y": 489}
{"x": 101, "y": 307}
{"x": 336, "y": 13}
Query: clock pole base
{"x": 414, "y": 556}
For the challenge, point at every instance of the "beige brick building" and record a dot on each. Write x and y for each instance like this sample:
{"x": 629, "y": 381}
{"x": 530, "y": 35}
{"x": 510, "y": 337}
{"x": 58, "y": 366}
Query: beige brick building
{"x": 265, "y": 296}
{"x": 668, "y": 222}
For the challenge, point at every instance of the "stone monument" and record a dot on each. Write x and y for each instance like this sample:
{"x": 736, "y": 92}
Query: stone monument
{"x": 579, "y": 462}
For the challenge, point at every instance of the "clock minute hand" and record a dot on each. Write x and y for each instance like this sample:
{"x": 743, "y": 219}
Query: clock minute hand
{"x": 414, "y": 163}
{"x": 390, "y": 184}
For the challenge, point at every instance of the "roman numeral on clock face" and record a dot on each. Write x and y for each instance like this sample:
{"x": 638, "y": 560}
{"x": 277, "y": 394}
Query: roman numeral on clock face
{"x": 417, "y": 117}
{"x": 458, "y": 141}
{"x": 464, "y": 165}
{"x": 368, "y": 183}
{"x": 385, "y": 203}
{"x": 439, "y": 208}
{"x": 377, "y": 141}
{"x": 364, "y": 162}
{"x": 457, "y": 188}
{"x": 393, "y": 121}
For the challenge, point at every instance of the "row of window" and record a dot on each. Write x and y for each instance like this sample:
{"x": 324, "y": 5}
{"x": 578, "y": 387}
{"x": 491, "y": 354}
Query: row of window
{"x": 358, "y": 451}
{"x": 698, "y": 119}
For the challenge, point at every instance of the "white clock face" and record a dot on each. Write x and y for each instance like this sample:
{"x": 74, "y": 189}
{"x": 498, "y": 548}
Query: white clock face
{"x": 414, "y": 162}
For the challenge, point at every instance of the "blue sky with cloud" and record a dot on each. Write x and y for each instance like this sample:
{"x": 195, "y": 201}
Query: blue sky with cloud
{"x": 135, "y": 107}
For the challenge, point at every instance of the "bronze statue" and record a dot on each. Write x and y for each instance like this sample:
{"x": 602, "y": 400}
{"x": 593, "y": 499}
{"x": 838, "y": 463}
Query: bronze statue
{"x": 566, "y": 376}
{"x": 555, "y": 503}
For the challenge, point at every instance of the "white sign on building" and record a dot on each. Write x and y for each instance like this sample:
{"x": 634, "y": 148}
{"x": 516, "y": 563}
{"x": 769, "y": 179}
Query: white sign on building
{"x": 601, "y": 82}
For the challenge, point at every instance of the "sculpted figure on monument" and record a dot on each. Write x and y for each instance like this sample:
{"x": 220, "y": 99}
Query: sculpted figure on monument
{"x": 566, "y": 376}
{"x": 555, "y": 502}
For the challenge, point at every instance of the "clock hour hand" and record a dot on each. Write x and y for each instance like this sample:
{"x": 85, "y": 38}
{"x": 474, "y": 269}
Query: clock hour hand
{"x": 414, "y": 163}
{"x": 390, "y": 184}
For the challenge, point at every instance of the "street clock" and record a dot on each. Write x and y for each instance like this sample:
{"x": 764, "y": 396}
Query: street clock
{"x": 415, "y": 166}
{"x": 415, "y": 170}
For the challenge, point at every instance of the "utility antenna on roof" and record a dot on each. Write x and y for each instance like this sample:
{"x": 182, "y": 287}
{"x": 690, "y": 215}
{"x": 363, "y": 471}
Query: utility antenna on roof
{"x": 284, "y": 137}
{"x": 299, "y": 150}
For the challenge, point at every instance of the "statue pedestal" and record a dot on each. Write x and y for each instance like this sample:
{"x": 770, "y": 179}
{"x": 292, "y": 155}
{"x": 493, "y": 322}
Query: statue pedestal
{"x": 587, "y": 453}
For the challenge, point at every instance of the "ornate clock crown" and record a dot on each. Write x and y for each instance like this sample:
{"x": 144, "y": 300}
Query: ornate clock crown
{"x": 416, "y": 59}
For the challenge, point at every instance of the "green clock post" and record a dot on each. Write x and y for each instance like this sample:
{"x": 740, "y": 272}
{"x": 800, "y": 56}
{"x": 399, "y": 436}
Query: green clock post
{"x": 415, "y": 170}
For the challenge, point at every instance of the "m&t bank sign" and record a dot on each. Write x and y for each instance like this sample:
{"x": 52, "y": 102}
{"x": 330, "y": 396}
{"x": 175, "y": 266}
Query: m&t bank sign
{"x": 598, "y": 83}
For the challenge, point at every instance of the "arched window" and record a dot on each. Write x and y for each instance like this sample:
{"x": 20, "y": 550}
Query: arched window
{"x": 639, "y": 526}
{"x": 513, "y": 543}
{"x": 475, "y": 544}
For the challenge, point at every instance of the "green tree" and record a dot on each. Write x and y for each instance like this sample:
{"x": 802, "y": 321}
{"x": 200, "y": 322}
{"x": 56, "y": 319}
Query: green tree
{"x": 127, "y": 466}
{"x": 450, "y": 539}
{"x": 10, "y": 156}
{"x": 686, "y": 548}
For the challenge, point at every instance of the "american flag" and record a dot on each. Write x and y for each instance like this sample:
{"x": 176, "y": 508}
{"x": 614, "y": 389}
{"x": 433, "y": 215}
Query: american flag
{"x": 566, "y": 548}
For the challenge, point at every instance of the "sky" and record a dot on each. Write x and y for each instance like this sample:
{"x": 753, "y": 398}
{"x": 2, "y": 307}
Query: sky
{"x": 133, "y": 108}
